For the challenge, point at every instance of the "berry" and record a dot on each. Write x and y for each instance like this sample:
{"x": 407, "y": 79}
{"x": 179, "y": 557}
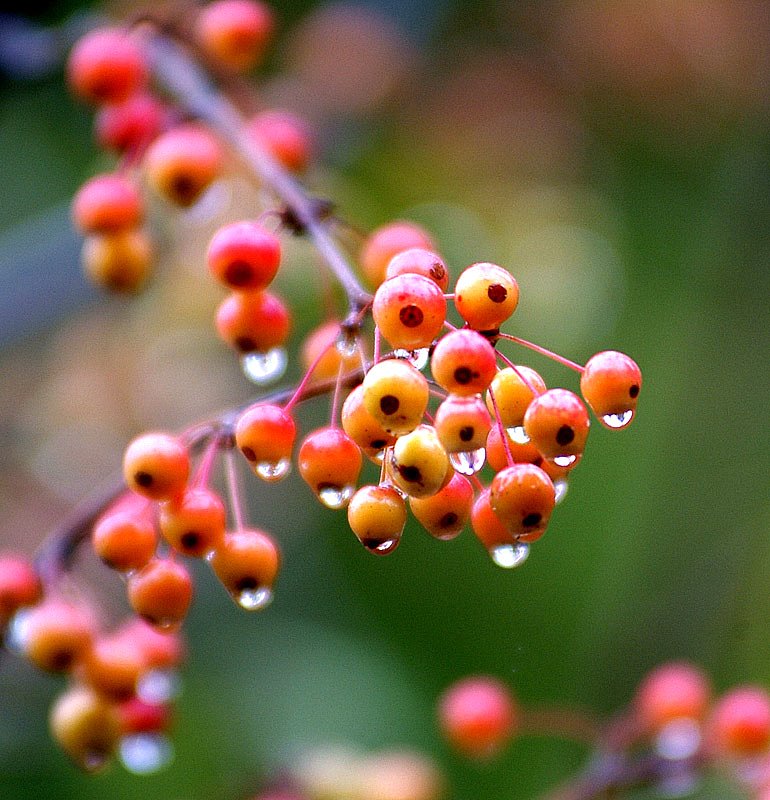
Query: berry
{"x": 235, "y": 33}
{"x": 124, "y": 540}
{"x": 119, "y": 262}
{"x": 485, "y": 296}
{"x": 513, "y": 392}
{"x": 463, "y": 362}
{"x": 670, "y": 692}
{"x": 521, "y": 453}
{"x": 106, "y": 66}
{"x": 182, "y": 163}
{"x": 409, "y": 310}
{"x": 19, "y": 585}
{"x": 107, "y": 203}
{"x": 329, "y": 461}
{"x": 161, "y": 592}
{"x": 244, "y": 255}
{"x": 265, "y": 435}
{"x": 320, "y": 348}
{"x": 253, "y": 322}
{"x": 396, "y": 395}
{"x": 129, "y": 126}
{"x": 487, "y": 526}
{"x": 193, "y": 523}
{"x": 112, "y": 667}
{"x": 137, "y": 716}
{"x": 445, "y": 513}
{"x": 56, "y": 634}
{"x": 156, "y": 465}
{"x": 557, "y": 423}
{"x": 523, "y": 497}
{"x": 422, "y": 262}
{"x": 478, "y": 716}
{"x": 419, "y": 465}
{"x": 462, "y": 423}
{"x": 610, "y": 384}
{"x": 362, "y": 427}
{"x": 285, "y": 136}
{"x": 377, "y": 515}
{"x": 386, "y": 242}
{"x": 739, "y": 723}
{"x": 247, "y": 563}
{"x": 161, "y": 650}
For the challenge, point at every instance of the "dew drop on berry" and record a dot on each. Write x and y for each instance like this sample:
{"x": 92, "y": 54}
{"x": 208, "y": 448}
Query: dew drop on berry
{"x": 346, "y": 345}
{"x": 273, "y": 471}
{"x": 158, "y": 686}
{"x": 564, "y": 461}
{"x": 509, "y": 556}
{"x": 254, "y": 599}
{"x": 518, "y": 434}
{"x": 618, "y": 421}
{"x": 145, "y": 753}
{"x": 336, "y": 497}
{"x": 16, "y": 632}
{"x": 264, "y": 368}
{"x": 382, "y": 548}
{"x": 468, "y": 462}
{"x": 417, "y": 358}
{"x": 560, "y": 487}
{"x": 679, "y": 739}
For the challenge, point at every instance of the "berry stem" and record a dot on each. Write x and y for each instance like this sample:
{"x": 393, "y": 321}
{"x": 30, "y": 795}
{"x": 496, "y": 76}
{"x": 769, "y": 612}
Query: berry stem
{"x": 233, "y": 489}
{"x": 501, "y": 429}
{"x": 519, "y": 374}
{"x": 292, "y": 401}
{"x": 543, "y": 351}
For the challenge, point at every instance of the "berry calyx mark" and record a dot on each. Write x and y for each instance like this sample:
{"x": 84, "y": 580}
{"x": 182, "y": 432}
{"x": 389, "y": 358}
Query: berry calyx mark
{"x": 466, "y": 433}
{"x": 189, "y": 540}
{"x": 410, "y": 473}
{"x": 239, "y": 273}
{"x": 565, "y": 435}
{"x": 464, "y": 375}
{"x": 448, "y": 520}
{"x": 143, "y": 478}
{"x": 530, "y": 520}
{"x": 634, "y": 390}
{"x": 247, "y": 584}
{"x": 497, "y": 293}
{"x": 389, "y": 404}
{"x": 411, "y": 316}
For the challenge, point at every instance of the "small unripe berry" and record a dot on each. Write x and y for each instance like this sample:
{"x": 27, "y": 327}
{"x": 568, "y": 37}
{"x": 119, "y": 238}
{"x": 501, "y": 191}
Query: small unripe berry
{"x": 156, "y": 465}
{"x": 387, "y": 241}
{"x": 485, "y": 296}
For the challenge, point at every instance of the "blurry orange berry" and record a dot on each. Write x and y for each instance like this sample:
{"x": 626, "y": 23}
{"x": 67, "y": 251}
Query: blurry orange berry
{"x": 247, "y": 563}
{"x": 56, "y": 634}
{"x": 124, "y": 540}
{"x": 254, "y": 321}
{"x": 107, "y": 203}
{"x": 112, "y": 666}
{"x": 244, "y": 255}
{"x": 387, "y": 241}
{"x": 677, "y": 690}
{"x": 320, "y": 344}
{"x": 118, "y": 262}
{"x": 285, "y": 136}
{"x": 235, "y": 33}
{"x": 156, "y": 465}
{"x": 161, "y": 592}
{"x": 485, "y": 296}
{"x": 739, "y": 723}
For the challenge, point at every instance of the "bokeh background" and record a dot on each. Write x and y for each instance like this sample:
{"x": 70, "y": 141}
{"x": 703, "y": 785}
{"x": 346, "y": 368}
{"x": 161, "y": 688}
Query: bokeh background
{"x": 613, "y": 154}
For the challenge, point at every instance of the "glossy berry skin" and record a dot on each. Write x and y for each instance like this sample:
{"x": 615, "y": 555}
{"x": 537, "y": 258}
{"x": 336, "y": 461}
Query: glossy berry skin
{"x": 156, "y": 465}
{"x": 445, "y": 514}
{"x": 285, "y": 136}
{"x": 409, "y": 310}
{"x": 106, "y": 66}
{"x": 420, "y": 261}
{"x": 362, "y": 427}
{"x": 193, "y": 523}
{"x": 112, "y": 667}
{"x": 182, "y": 163}
{"x": 523, "y": 498}
{"x": 486, "y": 525}
{"x": 377, "y": 515}
{"x": 513, "y": 392}
{"x": 462, "y": 423}
{"x": 497, "y": 457}
{"x": 234, "y": 33}
{"x": 56, "y": 635}
{"x": 129, "y": 126}
{"x": 485, "y": 296}
{"x": 161, "y": 592}
{"x": 478, "y": 716}
{"x": 557, "y": 424}
{"x": 119, "y": 262}
{"x": 388, "y": 241}
{"x": 463, "y": 362}
{"x": 245, "y": 561}
{"x": 419, "y": 464}
{"x": 265, "y": 434}
{"x": 669, "y": 692}
{"x": 319, "y": 348}
{"x": 19, "y": 585}
{"x": 244, "y": 255}
{"x": 396, "y": 395}
{"x": 253, "y": 322}
{"x": 610, "y": 384}
{"x": 739, "y": 723}
{"x": 107, "y": 203}
{"x": 330, "y": 461}
{"x": 124, "y": 540}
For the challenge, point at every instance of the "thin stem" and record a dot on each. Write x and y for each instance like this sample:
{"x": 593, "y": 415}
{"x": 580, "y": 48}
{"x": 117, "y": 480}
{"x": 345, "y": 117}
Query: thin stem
{"x": 543, "y": 351}
{"x": 501, "y": 429}
{"x": 519, "y": 374}
{"x": 336, "y": 398}
{"x": 233, "y": 489}
{"x": 306, "y": 377}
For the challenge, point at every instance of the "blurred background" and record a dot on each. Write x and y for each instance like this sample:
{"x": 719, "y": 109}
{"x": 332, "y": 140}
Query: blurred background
{"x": 614, "y": 156}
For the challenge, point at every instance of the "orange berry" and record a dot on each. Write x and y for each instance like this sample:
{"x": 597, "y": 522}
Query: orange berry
{"x": 396, "y": 395}
{"x": 329, "y": 461}
{"x": 362, "y": 427}
{"x": 422, "y": 262}
{"x": 462, "y": 423}
{"x": 253, "y": 322}
{"x": 161, "y": 592}
{"x": 485, "y": 296}
{"x": 320, "y": 344}
{"x": 557, "y": 424}
{"x": 445, "y": 513}
{"x": 514, "y": 390}
{"x": 377, "y": 515}
{"x": 387, "y": 241}
{"x": 244, "y": 255}
{"x": 119, "y": 262}
{"x": 235, "y": 33}
{"x": 463, "y": 362}
{"x": 112, "y": 667}
{"x": 19, "y": 585}
{"x": 521, "y": 453}
{"x": 56, "y": 634}
{"x": 156, "y": 465}
{"x": 160, "y": 649}
{"x": 107, "y": 203}
{"x": 265, "y": 435}
{"x": 487, "y": 526}
{"x": 610, "y": 384}
{"x": 410, "y": 311}
{"x": 193, "y": 523}
{"x": 124, "y": 540}
{"x": 739, "y": 724}
{"x": 523, "y": 497}
{"x": 247, "y": 563}
{"x": 285, "y": 136}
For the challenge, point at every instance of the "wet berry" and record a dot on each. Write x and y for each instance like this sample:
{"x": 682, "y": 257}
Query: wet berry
{"x": 329, "y": 461}
{"x": 445, "y": 514}
{"x": 463, "y": 362}
{"x": 377, "y": 515}
{"x": 244, "y": 255}
{"x": 161, "y": 592}
{"x": 156, "y": 465}
{"x": 409, "y": 310}
{"x": 610, "y": 384}
{"x": 522, "y": 496}
{"x": 254, "y": 321}
{"x": 557, "y": 424}
{"x": 462, "y": 423}
{"x": 193, "y": 523}
{"x": 247, "y": 562}
{"x": 485, "y": 296}
{"x": 419, "y": 464}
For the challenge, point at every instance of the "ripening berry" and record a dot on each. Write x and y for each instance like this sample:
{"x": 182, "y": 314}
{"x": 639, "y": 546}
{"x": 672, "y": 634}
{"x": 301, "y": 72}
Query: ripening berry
{"x": 362, "y": 427}
{"x": 485, "y": 296}
{"x": 329, "y": 461}
{"x": 19, "y": 585}
{"x": 247, "y": 563}
{"x": 422, "y": 262}
{"x": 160, "y": 650}
{"x": 514, "y": 390}
{"x": 235, "y": 33}
{"x": 409, "y": 310}
{"x": 182, "y": 163}
{"x": 265, "y": 435}
{"x": 56, "y": 634}
{"x": 445, "y": 513}
{"x": 138, "y": 716}
{"x": 161, "y": 592}
{"x": 487, "y": 526}
{"x": 462, "y": 423}
{"x": 244, "y": 255}
{"x": 119, "y": 262}
{"x": 156, "y": 465}
{"x": 739, "y": 723}
{"x": 557, "y": 424}
{"x": 388, "y": 241}
{"x": 396, "y": 395}
{"x": 193, "y": 523}
{"x": 463, "y": 362}
{"x": 129, "y": 126}
{"x": 478, "y": 716}
{"x": 419, "y": 464}
{"x": 112, "y": 666}
{"x": 320, "y": 348}
{"x": 521, "y": 453}
{"x": 610, "y": 384}
{"x": 106, "y": 66}
{"x": 285, "y": 136}
{"x": 86, "y": 726}
{"x": 670, "y": 692}
{"x": 107, "y": 203}
{"x": 253, "y": 322}
{"x": 124, "y": 540}
{"x": 377, "y": 515}
{"x": 523, "y": 497}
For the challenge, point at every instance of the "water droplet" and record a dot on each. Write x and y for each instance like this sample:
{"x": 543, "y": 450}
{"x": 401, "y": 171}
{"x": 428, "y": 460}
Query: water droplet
{"x": 468, "y": 462}
{"x": 158, "y": 686}
{"x": 518, "y": 434}
{"x": 679, "y": 739}
{"x": 560, "y": 488}
{"x": 145, "y": 753}
{"x": 16, "y": 632}
{"x": 336, "y": 497}
{"x": 264, "y": 368}
{"x": 273, "y": 471}
{"x": 417, "y": 358}
{"x": 509, "y": 556}
{"x": 346, "y": 345}
{"x": 617, "y": 421}
{"x": 94, "y": 760}
{"x": 382, "y": 547}
{"x": 564, "y": 461}
{"x": 254, "y": 599}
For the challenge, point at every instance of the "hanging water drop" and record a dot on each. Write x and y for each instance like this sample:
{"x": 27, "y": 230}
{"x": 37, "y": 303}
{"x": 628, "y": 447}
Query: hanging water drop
{"x": 617, "y": 421}
{"x": 679, "y": 739}
{"x": 158, "y": 686}
{"x": 518, "y": 434}
{"x": 16, "y": 632}
{"x": 347, "y": 345}
{"x": 94, "y": 760}
{"x": 335, "y": 497}
{"x": 417, "y": 358}
{"x": 564, "y": 461}
{"x": 254, "y": 599}
{"x": 509, "y": 556}
{"x": 145, "y": 753}
{"x": 560, "y": 486}
{"x": 468, "y": 462}
{"x": 264, "y": 368}
{"x": 273, "y": 471}
{"x": 381, "y": 547}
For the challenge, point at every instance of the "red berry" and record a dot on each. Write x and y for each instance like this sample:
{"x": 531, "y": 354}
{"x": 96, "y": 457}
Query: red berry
{"x": 463, "y": 362}
{"x": 107, "y": 203}
{"x": 156, "y": 465}
{"x": 557, "y": 424}
{"x": 130, "y": 125}
{"x": 610, "y": 384}
{"x": 388, "y": 241}
{"x": 19, "y": 585}
{"x": 329, "y": 461}
{"x": 523, "y": 497}
{"x": 739, "y": 724}
{"x": 265, "y": 435}
{"x": 445, "y": 513}
{"x": 485, "y": 296}
{"x": 671, "y": 691}
{"x": 160, "y": 649}
{"x": 410, "y": 311}
{"x": 193, "y": 523}
{"x": 244, "y": 255}
{"x": 253, "y": 322}
{"x": 285, "y": 136}
{"x": 161, "y": 592}
{"x": 235, "y": 33}
{"x": 462, "y": 423}
{"x": 422, "y": 262}
{"x": 137, "y": 716}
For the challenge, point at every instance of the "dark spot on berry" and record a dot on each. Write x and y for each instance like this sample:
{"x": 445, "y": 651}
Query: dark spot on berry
{"x": 61, "y": 660}
{"x": 466, "y": 433}
{"x": 246, "y": 584}
{"x": 531, "y": 520}
{"x": 437, "y": 271}
{"x": 245, "y": 344}
{"x": 411, "y": 316}
{"x": 449, "y": 519}
{"x": 411, "y": 474}
{"x": 497, "y": 293}
{"x": 184, "y": 189}
{"x": 377, "y": 444}
{"x": 464, "y": 375}
{"x": 239, "y": 273}
{"x": 634, "y": 390}
{"x": 249, "y": 454}
{"x": 565, "y": 435}
{"x": 389, "y": 404}
{"x": 189, "y": 540}
{"x": 143, "y": 479}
